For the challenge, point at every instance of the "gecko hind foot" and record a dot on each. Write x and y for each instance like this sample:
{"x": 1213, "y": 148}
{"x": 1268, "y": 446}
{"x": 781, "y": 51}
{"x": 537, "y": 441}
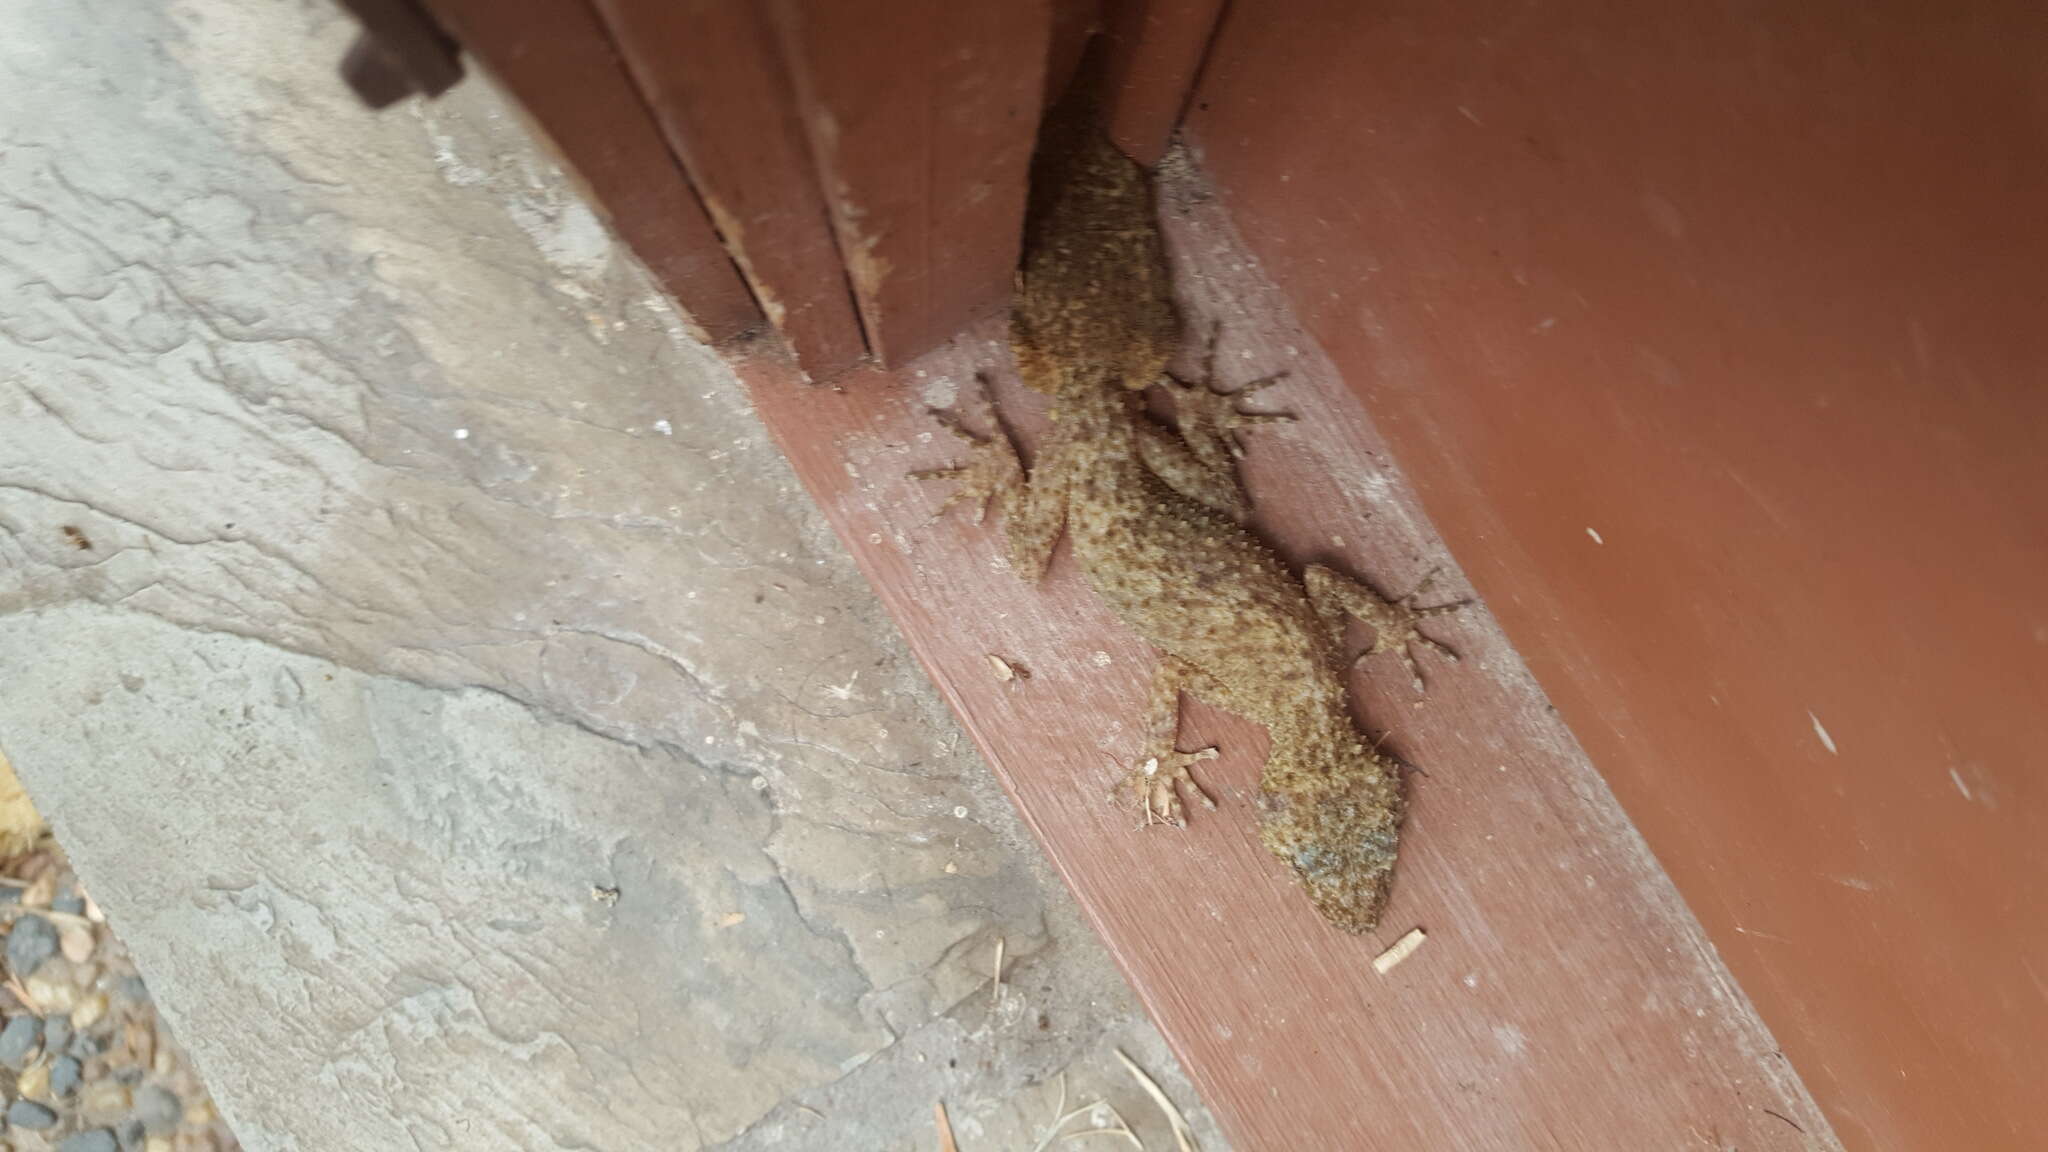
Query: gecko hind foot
{"x": 1210, "y": 422}
{"x": 1154, "y": 782}
{"x": 992, "y": 470}
{"x": 1395, "y": 622}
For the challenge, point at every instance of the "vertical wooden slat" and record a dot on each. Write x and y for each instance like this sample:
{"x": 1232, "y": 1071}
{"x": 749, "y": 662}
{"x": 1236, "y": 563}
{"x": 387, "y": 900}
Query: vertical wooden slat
{"x": 712, "y": 71}
{"x": 559, "y": 61}
{"x": 920, "y": 116}
{"x": 1155, "y": 49}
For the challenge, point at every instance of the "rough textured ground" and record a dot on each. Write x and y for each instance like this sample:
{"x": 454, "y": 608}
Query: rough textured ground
{"x": 434, "y": 672}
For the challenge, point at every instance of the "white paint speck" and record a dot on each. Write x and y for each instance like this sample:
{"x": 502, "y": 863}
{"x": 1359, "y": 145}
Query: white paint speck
{"x": 569, "y": 235}
{"x": 760, "y": 783}
{"x": 1511, "y": 1039}
{"x": 664, "y": 427}
{"x": 938, "y": 391}
{"x": 1960, "y": 786}
{"x": 1595, "y": 536}
{"x": 960, "y": 812}
{"x": 462, "y": 433}
{"x": 1826, "y": 741}
{"x": 1471, "y": 979}
{"x": 1099, "y": 659}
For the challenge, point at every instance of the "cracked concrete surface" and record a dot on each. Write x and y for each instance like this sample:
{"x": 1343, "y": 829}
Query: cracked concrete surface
{"x": 387, "y": 577}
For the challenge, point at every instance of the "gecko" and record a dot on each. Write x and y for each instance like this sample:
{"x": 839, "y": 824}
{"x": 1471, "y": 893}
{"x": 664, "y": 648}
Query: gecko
{"x": 1157, "y": 524}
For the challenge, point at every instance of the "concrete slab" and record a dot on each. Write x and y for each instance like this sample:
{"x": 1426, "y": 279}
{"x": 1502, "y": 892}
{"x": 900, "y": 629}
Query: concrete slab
{"x": 387, "y": 579}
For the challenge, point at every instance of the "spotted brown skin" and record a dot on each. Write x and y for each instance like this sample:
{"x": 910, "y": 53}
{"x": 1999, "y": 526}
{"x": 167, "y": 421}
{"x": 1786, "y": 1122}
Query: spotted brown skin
{"x": 1156, "y": 525}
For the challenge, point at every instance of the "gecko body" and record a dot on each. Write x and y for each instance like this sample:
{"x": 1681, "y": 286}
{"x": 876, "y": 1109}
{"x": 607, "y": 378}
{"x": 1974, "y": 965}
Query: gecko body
{"x": 1156, "y": 524}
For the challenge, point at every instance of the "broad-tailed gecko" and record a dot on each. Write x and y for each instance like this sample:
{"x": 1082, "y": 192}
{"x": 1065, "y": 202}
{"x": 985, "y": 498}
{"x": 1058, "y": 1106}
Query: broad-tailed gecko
{"x": 1156, "y": 524}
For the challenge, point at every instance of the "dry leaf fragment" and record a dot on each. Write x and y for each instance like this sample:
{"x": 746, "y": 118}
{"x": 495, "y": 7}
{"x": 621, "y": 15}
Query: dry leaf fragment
{"x": 946, "y": 1143}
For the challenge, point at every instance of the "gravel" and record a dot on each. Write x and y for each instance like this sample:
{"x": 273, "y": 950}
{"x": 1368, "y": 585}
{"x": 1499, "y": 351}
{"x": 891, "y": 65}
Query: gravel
{"x": 65, "y": 1076}
{"x": 32, "y": 941}
{"x": 158, "y": 1108}
{"x": 106, "y": 1076}
{"x": 31, "y": 1115}
{"x": 18, "y": 1039}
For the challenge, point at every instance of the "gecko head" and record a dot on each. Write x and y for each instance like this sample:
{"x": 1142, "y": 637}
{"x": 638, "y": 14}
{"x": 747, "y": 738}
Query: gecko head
{"x": 1341, "y": 845}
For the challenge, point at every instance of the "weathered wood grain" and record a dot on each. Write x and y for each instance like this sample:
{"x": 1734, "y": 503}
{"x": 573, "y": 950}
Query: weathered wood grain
{"x": 1715, "y": 336}
{"x": 714, "y": 75}
{"x": 921, "y": 118}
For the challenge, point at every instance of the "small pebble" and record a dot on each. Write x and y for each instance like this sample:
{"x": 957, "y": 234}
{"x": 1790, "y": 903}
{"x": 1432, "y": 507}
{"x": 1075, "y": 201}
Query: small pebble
{"x": 56, "y": 1033}
{"x": 158, "y": 1108}
{"x": 84, "y": 1045}
{"x": 89, "y": 1011}
{"x": 105, "y": 1100}
{"x": 97, "y": 1140}
{"x": 130, "y": 1135}
{"x": 77, "y": 943}
{"x": 69, "y": 905}
{"x": 32, "y": 941}
{"x": 35, "y": 1081}
{"x": 56, "y": 997}
{"x": 18, "y": 1039}
{"x": 31, "y": 1115}
{"x": 65, "y": 1074}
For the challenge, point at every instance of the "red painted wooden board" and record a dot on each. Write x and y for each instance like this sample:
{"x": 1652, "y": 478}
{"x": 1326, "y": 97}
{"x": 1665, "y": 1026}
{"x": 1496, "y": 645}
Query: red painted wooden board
{"x": 714, "y": 75}
{"x": 921, "y": 116}
{"x": 1564, "y": 998}
{"x": 1715, "y": 336}
{"x": 561, "y": 63}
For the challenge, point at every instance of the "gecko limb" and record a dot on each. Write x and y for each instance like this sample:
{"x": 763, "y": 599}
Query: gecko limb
{"x": 1211, "y": 422}
{"x": 1395, "y": 623}
{"x": 1165, "y": 765}
{"x": 1169, "y": 458}
{"x": 992, "y": 474}
{"x": 1034, "y": 508}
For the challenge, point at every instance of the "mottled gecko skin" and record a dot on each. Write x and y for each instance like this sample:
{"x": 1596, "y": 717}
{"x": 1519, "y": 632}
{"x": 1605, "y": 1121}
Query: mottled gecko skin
{"x": 1156, "y": 529}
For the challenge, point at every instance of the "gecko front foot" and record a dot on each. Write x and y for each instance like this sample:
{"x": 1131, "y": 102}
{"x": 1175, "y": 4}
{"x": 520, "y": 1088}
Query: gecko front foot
{"x": 992, "y": 471}
{"x": 1154, "y": 782}
{"x": 1394, "y": 622}
{"x": 1211, "y": 422}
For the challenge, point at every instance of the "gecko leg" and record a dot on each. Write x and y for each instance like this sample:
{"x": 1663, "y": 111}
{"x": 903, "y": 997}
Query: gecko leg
{"x": 1394, "y": 622}
{"x": 992, "y": 471}
{"x": 1168, "y": 457}
{"x": 1034, "y": 508}
{"x": 1210, "y": 421}
{"x": 1164, "y": 764}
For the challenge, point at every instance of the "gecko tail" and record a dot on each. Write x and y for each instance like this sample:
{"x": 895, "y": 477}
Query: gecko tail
{"x": 1339, "y": 830}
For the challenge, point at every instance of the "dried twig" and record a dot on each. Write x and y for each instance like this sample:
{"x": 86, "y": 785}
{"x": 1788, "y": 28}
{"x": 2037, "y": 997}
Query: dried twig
{"x": 946, "y": 1143}
{"x": 1401, "y": 950}
{"x": 1183, "y": 1136}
